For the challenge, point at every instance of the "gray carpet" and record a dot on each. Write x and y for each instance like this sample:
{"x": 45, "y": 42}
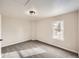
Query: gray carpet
{"x": 35, "y": 49}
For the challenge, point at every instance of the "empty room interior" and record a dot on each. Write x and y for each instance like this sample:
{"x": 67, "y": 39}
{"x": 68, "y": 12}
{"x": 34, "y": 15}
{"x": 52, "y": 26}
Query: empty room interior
{"x": 39, "y": 28}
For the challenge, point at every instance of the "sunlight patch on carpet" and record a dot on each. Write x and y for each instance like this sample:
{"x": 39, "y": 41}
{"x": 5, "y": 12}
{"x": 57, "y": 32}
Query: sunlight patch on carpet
{"x": 32, "y": 51}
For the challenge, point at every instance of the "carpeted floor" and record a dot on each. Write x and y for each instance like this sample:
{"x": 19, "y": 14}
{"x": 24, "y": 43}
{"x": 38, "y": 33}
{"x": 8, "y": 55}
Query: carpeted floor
{"x": 35, "y": 49}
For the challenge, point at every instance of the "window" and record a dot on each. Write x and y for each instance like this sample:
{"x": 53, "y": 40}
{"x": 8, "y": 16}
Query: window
{"x": 58, "y": 30}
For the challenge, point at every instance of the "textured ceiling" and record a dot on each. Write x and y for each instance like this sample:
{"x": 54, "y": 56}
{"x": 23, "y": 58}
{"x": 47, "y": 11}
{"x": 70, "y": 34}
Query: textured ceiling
{"x": 44, "y": 8}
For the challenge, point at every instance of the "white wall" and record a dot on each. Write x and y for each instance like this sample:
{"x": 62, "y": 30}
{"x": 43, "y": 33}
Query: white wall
{"x": 15, "y": 30}
{"x": 0, "y": 35}
{"x": 78, "y": 32}
{"x": 0, "y": 26}
{"x": 44, "y": 31}
{"x": 33, "y": 29}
